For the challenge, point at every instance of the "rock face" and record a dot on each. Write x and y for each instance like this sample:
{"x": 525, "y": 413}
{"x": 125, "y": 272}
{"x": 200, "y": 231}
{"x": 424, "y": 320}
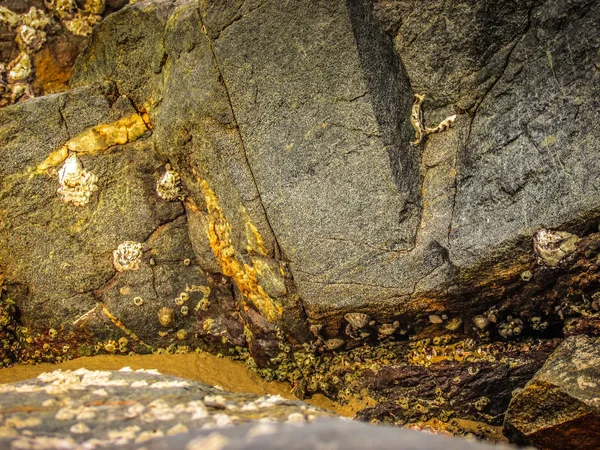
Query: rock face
{"x": 314, "y": 129}
{"x": 560, "y": 406}
{"x": 293, "y": 195}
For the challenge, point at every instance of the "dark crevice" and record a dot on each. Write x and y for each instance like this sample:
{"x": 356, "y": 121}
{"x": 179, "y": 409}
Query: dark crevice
{"x": 391, "y": 97}
{"x": 238, "y": 18}
{"x": 63, "y": 119}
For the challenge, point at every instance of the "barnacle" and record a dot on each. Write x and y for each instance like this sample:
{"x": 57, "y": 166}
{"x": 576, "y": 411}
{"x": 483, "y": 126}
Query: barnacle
{"x": 387, "y": 329}
{"x": 552, "y": 246}
{"x": 82, "y": 25}
{"x": 138, "y": 301}
{"x": 6, "y": 15}
{"x": 20, "y": 68}
{"x": 110, "y": 346}
{"x": 95, "y": 6}
{"x": 481, "y": 322}
{"x": 185, "y": 310}
{"x": 454, "y": 324}
{"x": 169, "y": 186}
{"x": 30, "y": 38}
{"x": 76, "y": 183}
{"x": 127, "y": 256}
{"x": 165, "y": 316}
{"x": 333, "y": 344}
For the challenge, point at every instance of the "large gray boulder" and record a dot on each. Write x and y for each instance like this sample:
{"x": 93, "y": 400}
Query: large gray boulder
{"x": 299, "y": 114}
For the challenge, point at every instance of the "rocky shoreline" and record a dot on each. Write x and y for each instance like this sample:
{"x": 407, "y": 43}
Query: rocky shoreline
{"x": 371, "y": 197}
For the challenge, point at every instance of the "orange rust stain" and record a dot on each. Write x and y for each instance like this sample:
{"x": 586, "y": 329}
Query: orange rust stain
{"x": 244, "y": 275}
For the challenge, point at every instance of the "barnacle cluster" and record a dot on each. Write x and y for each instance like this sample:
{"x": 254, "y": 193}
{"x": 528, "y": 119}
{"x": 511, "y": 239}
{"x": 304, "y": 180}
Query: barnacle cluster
{"x": 76, "y": 183}
{"x": 169, "y": 186}
{"x": 450, "y": 324}
{"x": 512, "y": 327}
{"x": 16, "y": 75}
{"x": 552, "y": 246}
{"x": 127, "y": 256}
{"x": 416, "y": 120}
{"x": 9, "y": 342}
{"x": 79, "y": 21}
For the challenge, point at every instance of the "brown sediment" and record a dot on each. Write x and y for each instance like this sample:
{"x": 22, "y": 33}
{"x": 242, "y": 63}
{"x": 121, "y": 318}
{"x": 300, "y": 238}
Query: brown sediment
{"x": 204, "y": 367}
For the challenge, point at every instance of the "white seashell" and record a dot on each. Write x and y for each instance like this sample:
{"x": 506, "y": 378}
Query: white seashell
{"x": 169, "y": 186}
{"x": 357, "y": 320}
{"x": 76, "y": 183}
{"x": 552, "y": 246}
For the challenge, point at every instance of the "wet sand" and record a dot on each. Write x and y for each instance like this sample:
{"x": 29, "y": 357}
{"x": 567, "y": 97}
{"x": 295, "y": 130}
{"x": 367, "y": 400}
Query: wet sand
{"x": 204, "y": 367}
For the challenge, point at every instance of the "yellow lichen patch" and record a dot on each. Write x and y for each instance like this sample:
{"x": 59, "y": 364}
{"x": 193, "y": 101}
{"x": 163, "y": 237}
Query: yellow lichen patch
{"x": 97, "y": 139}
{"x": 244, "y": 275}
{"x": 57, "y": 157}
{"x": 255, "y": 240}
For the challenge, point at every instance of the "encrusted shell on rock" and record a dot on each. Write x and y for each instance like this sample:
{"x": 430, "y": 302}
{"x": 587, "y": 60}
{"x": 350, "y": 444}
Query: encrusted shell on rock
{"x": 357, "y": 320}
{"x": 127, "y": 256}
{"x": 552, "y": 246}
{"x": 387, "y": 329}
{"x": 20, "y": 68}
{"x": 165, "y": 316}
{"x": 169, "y": 186}
{"x": 333, "y": 344}
{"x": 76, "y": 183}
{"x": 481, "y": 322}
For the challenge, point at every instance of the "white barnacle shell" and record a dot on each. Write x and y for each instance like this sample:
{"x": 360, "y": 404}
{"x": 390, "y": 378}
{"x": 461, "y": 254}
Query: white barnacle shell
{"x": 357, "y": 320}
{"x": 552, "y": 246}
{"x": 127, "y": 256}
{"x": 76, "y": 183}
{"x": 169, "y": 186}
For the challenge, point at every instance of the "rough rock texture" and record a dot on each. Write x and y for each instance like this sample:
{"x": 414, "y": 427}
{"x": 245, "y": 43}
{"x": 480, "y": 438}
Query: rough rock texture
{"x": 289, "y": 126}
{"x": 560, "y": 407}
{"x": 103, "y": 408}
{"x": 58, "y": 257}
{"x": 311, "y": 117}
{"x": 78, "y": 410}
